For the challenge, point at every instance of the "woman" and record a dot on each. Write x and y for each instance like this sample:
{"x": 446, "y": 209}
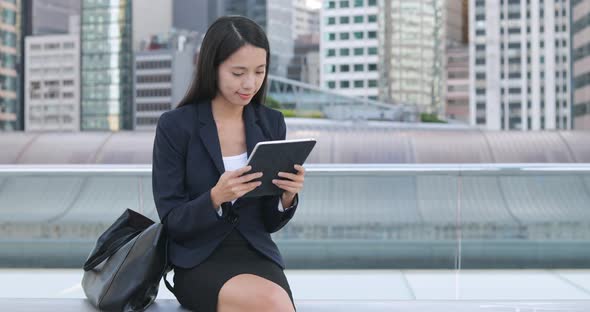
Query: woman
{"x": 220, "y": 245}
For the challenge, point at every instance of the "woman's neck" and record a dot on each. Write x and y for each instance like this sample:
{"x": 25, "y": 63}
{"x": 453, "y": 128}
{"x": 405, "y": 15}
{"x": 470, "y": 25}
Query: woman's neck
{"x": 223, "y": 110}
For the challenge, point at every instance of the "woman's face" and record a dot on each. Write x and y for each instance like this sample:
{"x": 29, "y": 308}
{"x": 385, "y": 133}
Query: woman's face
{"x": 241, "y": 75}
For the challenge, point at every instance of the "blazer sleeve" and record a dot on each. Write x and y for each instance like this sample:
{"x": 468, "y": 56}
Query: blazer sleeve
{"x": 273, "y": 218}
{"x": 183, "y": 218}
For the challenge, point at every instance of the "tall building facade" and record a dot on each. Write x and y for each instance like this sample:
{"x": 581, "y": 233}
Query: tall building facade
{"x": 457, "y": 21}
{"x": 457, "y": 95}
{"x": 305, "y": 65}
{"x": 52, "y": 16}
{"x": 306, "y": 20}
{"x": 52, "y": 81}
{"x": 412, "y": 53}
{"x": 457, "y": 61}
{"x": 163, "y": 73}
{"x": 106, "y": 65}
{"x": 519, "y": 64}
{"x": 349, "y": 47}
{"x": 10, "y": 65}
{"x": 581, "y": 63}
{"x": 276, "y": 17}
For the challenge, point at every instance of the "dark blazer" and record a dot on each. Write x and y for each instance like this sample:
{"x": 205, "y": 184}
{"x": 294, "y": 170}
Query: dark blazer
{"x": 187, "y": 163}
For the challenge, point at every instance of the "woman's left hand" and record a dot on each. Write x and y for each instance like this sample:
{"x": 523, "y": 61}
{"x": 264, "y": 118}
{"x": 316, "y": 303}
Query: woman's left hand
{"x": 292, "y": 186}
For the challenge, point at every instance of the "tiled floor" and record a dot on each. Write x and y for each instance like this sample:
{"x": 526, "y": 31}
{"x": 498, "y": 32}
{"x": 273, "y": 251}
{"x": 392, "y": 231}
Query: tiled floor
{"x": 346, "y": 285}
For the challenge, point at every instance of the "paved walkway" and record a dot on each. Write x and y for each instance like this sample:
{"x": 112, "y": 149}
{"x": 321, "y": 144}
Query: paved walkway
{"x": 348, "y": 290}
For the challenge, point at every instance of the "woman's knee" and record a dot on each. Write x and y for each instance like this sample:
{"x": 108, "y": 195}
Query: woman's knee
{"x": 274, "y": 298}
{"x": 247, "y": 292}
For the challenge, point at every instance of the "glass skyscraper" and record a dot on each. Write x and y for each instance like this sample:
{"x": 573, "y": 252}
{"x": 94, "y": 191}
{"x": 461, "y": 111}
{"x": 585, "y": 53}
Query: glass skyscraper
{"x": 107, "y": 65}
{"x": 10, "y": 47}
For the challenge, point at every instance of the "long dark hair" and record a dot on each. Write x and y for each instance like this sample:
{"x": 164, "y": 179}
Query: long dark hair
{"x": 224, "y": 37}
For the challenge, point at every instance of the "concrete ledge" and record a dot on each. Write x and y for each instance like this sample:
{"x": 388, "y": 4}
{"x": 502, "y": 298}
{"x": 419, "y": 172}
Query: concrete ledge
{"x": 168, "y": 305}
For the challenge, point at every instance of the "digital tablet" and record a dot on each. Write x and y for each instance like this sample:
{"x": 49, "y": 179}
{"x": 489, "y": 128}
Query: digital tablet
{"x": 270, "y": 157}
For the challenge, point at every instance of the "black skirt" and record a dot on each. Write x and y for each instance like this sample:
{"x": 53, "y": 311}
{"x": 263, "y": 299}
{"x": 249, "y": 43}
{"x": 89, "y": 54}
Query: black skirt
{"x": 197, "y": 288}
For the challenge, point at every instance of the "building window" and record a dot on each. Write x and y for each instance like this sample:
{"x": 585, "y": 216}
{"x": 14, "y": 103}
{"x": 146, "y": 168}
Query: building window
{"x": 344, "y": 84}
{"x": 372, "y": 34}
{"x": 513, "y": 90}
{"x": 358, "y": 35}
{"x": 359, "y": 83}
{"x": 358, "y": 3}
{"x": 513, "y": 15}
{"x": 331, "y": 84}
{"x": 372, "y": 83}
{"x": 372, "y": 2}
{"x": 331, "y": 4}
{"x": 146, "y": 107}
{"x": 372, "y": 51}
{"x": 344, "y": 51}
{"x": 153, "y": 78}
{"x": 358, "y": 19}
{"x": 344, "y": 20}
{"x": 372, "y": 18}
{"x": 514, "y": 75}
{"x": 331, "y": 52}
{"x": 51, "y": 46}
{"x": 344, "y": 36}
{"x": 344, "y": 68}
{"x": 153, "y": 64}
{"x": 514, "y": 30}
{"x": 358, "y": 51}
{"x": 331, "y": 36}
{"x": 344, "y": 4}
{"x": 153, "y": 92}
{"x": 331, "y": 20}
{"x": 372, "y": 67}
{"x": 359, "y": 67}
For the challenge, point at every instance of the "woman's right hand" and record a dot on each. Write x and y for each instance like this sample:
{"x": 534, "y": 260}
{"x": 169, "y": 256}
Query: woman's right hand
{"x": 233, "y": 184}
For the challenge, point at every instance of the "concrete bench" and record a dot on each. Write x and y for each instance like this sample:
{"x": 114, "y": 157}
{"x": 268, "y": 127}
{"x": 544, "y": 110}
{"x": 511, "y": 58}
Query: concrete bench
{"x": 171, "y": 305}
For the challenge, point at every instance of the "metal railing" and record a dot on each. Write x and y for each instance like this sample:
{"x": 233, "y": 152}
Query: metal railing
{"x": 349, "y": 216}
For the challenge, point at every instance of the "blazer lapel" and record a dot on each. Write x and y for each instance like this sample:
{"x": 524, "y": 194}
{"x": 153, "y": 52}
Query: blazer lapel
{"x": 208, "y": 133}
{"x": 254, "y": 133}
{"x": 210, "y": 137}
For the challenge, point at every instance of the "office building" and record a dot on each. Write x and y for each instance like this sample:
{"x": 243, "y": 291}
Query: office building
{"x": 106, "y": 66}
{"x": 52, "y": 81}
{"x": 306, "y": 19}
{"x": 349, "y": 47}
{"x": 581, "y": 63}
{"x": 412, "y": 56}
{"x": 10, "y": 66}
{"x": 163, "y": 73}
{"x": 519, "y": 65}
{"x": 49, "y": 17}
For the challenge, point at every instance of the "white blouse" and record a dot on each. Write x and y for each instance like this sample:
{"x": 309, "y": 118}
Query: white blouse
{"x": 231, "y": 163}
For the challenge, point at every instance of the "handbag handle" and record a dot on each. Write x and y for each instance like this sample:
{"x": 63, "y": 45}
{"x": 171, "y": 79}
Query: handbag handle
{"x": 112, "y": 247}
